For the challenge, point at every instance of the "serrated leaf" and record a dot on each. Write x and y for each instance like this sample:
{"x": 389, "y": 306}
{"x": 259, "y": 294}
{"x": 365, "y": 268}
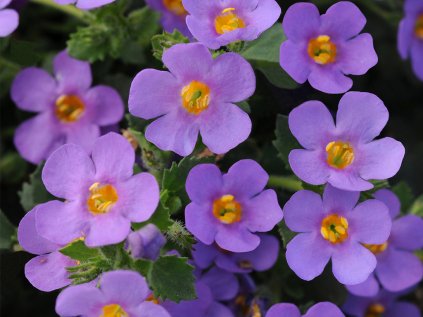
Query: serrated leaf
{"x": 162, "y": 42}
{"x": 142, "y": 266}
{"x": 285, "y": 142}
{"x": 79, "y": 251}
{"x": 263, "y": 54}
{"x": 172, "y": 278}
{"x": 34, "y": 191}
{"x": 417, "y": 207}
{"x": 405, "y": 195}
{"x": 7, "y": 232}
{"x": 144, "y": 23}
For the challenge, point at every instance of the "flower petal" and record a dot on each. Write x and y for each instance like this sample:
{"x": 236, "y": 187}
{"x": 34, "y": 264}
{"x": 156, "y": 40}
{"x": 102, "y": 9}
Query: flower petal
{"x": 223, "y": 285}
{"x": 301, "y": 21}
{"x": 416, "y": 58}
{"x": 84, "y": 134}
{"x": 295, "y": 61}
{"x": 329, "y": 79}
{"x": 309, "y": 166}
{"x": 149, "y": 309}
{"x": 390, "y": 200}
{"x": 9, "y": 21}
{"x": 79, "y": 300}
{"x": 236, "y": 238}
{"x": 107, "y": 229}
{"x": 200, "y": 222}
{"x": 198, "y": 189}
{"x": 407, "y": 233}
{"x": 107, "y": 105}
{"x": 403, "y": 309}
{"x": 369, "y": 288}
{"x": 284, "y": 309}
{"x": 307, "y": 255}
{"x": 339, "y": 201}
{"x": 348, "y": 180}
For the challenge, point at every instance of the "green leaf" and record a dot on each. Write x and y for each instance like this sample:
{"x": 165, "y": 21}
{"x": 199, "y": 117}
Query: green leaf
{"x": 12, "y": 168}
{"x": 162, "y": 42}
{"x": 34, "y": 191}
{"x": 172, "y": 278}
{"x": 161, "y": 219}
{"x": 7, "y": 232}
{"x": 144, "y": 23}
{"x": 405, "y": 195}
{"x": 263, "y": 54}
{"x": 417, "y": 207}
{"x": 79, "y": 251}
{"x": 142, "y": 266}
{"x": 286, "y": 234}
{"x": 244, "y": 105}
{"x": 180, "y": 236}
{"x": 285, "y": 141}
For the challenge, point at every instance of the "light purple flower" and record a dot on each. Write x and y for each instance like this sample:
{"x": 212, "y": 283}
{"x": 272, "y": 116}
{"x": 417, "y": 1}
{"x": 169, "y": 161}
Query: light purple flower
{"x": 218, "y": 23}
{"x": 260, "y": 259}
{"x": 344, "y": 155}
{"x": 121, "y": 293}
{"x": 146, "y": 242}
{"x": 196, "y": 96}
{"x": 334, "y": 227}
{"x": 228, "y": 209}
{"x": 9, "y": 19}
{"x": 410, "y": 35}
{"x": 85, "y": 4}
{"x": 47, "y": 271}
{"x": 102, "y": 197}
{"x": 323, "y": 49}
{"x": 397, "y": 267}
{"x": 212, "y": 287}
{"x": 173, "y": 15}
{"x": 383, "y": 304}
{"x": 318, "y": 310}
{"x": 69, "y": 111}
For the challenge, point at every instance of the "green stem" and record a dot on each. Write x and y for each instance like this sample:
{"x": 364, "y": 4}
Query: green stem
{"x": 290, "y": 183}
{"x": 9, "y": 64}
{"x": 68, "y": 9}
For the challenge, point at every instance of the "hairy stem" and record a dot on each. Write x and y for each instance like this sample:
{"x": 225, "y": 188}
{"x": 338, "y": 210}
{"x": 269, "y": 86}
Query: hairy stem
{"x": 289, "y": 183}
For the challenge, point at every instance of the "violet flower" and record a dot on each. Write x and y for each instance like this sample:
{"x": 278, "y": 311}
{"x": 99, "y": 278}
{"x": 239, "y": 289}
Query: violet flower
{"x": 318, "y": 310}
{"x": 145, "y": 243}
{"x": 9, "y": 19}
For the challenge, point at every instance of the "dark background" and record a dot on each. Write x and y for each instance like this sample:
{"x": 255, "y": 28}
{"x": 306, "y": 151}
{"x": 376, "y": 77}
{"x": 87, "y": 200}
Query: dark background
{"x": 46, "y": 32}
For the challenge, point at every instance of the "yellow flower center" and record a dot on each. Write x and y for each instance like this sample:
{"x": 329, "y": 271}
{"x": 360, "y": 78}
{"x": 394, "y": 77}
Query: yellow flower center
{"x": 195, "y": 97}
{"x": 255, "y": 310}
{"x": 227, "y": 209}
{"x": 334, "y": 228}
{"x": 175, "y": 6}
{"x": 114, "y": 310}
{"x": 339, "y": 154}
{"x": 322, "y": 50}
{"x": 102, "y": 198}
{"x": 419, "y": 27}
{"x": 69, "y": 108}
{"x": 376, "y": 248}
{"x": 375, "y": 310}
{"x": 228, "y": 21}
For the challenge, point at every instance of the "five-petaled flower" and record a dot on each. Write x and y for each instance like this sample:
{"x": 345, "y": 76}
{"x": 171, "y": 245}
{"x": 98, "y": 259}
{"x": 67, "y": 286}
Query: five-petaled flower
{"x": 324, "y": 49}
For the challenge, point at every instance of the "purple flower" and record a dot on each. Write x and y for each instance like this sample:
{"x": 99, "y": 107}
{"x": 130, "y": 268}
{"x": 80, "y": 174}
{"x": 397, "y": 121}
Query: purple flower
{"x": 47, "y": 271}
{"x": 196, "y": 96}
{"x": 218, "y": 23}
{"x": 397, "y": 267}
{"x": 173, "y": 15}
{"x": 85, "y": 4}
{"x": 290, "y": 310}
{"x": 260, "y": 259}
{"x": 145, "y": 242}
{"x": 121, "y": 293}
{"x": 410, "y": 35}
{"x": 9, "y": 19}
{"x": 344, "y": 155}
{"x": 102, "y": 197}
{"x": 323, "y": 49}
{"x": 383, "y": 304}
{"x": 228, "y": 209}
{"x": 334, "y": 228}
{"x": 214, "y": 286}
{"x": 69, "y": 111}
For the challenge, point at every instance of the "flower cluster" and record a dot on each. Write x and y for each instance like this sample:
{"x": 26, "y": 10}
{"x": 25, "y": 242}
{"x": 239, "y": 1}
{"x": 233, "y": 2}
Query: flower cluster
{"x": 120, "y": 227}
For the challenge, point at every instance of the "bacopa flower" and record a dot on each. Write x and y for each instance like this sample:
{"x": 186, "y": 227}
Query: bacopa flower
{"x": 47, "y": 271}
{"x": 260, "y": 259}
{"x": 173, "y": 15}
{"x": 85, "y": 4}
{"x": 410, "y": 35}
{"x": 102, "y": 197}
{"x": 9, "y": 19}
{"x": 69, "y": 111}
{"x": 218, "y": 23}
{"x": 211, "y": 287}
{"x": 121, "y": 294}
{"x": 323, "y": 49}
{"x": 228, "y": 209}
{"x": 197, "y": 95}
{"x": 383, "y": 304}
{"x": 344, "y": 155}
{"x": 290, "y": 310}
{"x": 145, "y": 242}
{"x": 397, "y": 267}
{"x": 336, "y": 228}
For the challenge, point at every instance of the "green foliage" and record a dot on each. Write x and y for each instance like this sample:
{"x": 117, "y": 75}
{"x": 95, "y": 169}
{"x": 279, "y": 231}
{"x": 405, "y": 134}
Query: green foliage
{"x": 79, "y": 251}
{"x": 180, "y": 236}
{"x": 417, "y": 207}
{"x": 285, "y": 142}
{"x": 34, "y": 192}
{"x": 12, "y": 167}
{"x": 7, "y": 232}
{"x": 405, "y": 195}
{"x": 171, "y": 277}
{"x": 161, "y": 42}
{"x": 286, "y": 234}
{"x": 263, "y": 54}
